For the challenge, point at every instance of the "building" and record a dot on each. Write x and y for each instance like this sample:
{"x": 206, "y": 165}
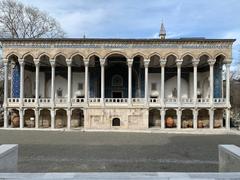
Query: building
{"x": 116, "y": 83}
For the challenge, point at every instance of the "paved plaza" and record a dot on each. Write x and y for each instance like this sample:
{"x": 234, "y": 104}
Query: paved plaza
{"x": 63, "y": 151}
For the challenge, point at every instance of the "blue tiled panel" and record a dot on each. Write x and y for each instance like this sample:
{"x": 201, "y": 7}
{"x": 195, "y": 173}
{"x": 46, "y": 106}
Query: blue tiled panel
{"x": 16, "y": 81}
{"x": 218, "y": 80}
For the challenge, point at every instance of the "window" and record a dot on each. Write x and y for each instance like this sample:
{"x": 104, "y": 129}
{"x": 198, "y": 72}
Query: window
{"x": 117, "y": 80}
{"x": 59, "y": 92}
{"x": 80, "y": 86}
{"x": 154, "y": 86}
{"x": 116, "y": 122}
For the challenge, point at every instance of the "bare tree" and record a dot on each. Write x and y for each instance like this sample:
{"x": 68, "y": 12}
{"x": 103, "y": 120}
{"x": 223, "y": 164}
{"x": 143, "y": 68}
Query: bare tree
{"x": 20, "y": 21}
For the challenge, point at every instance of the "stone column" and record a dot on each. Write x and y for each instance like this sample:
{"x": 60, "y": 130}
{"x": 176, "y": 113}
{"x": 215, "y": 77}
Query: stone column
{"x": 52, "y": 118}
{"x": 69, "y": 114}
{"x": 195, "y": 118}
{"x": 5, "y": 103}
{"x": 53, "y": 83}
{"x": 130, "y": 63}
{"x": 163, "y": 112}
{"x": 69, "y": 63}
{"x": 211, "y": 118}
{"x": 86, "y": 63}
{"x": 21, "y": 114}
{"x": 179, "y": 63}
{"x": 195, "y": 64}
{"x": 163, "y": 63}
{"x": 211, "y": 63}
{"x": 37, "y": 66}
{"x": 179, "y": 117}
{"x": 22, "y": 64}
{"x": 146, "y": 63}
{"x": 36, "y": 118}
{"x": 102, "y": 63}
{"x": 228, "y": 94}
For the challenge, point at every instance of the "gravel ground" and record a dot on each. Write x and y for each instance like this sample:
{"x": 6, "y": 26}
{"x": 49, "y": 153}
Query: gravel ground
{"x": 55, "y": 151}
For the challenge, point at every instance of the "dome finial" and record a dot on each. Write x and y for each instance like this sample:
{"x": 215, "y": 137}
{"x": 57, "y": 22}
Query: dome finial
{"x": 162, "y": 33}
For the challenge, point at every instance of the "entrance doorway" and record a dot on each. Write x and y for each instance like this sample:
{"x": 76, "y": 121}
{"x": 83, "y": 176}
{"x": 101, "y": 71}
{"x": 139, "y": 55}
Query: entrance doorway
{"x": 117, "y": 94}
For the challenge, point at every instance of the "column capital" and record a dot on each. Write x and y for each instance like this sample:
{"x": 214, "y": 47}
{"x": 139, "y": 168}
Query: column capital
{"x": 52, "y": 62}
{"x": 5, "y": 63}
{"x": 130, "y": 62}
{"x": 102, "y": 62}
{"x": 179, "y": 62}
{"x": 163, "y": 62}
{"x": 211, "y": 62}
{"x": 195, "y": 62}
{"x": 69, "y": 62}
{"x": 86, "y": 62}
{"x": 21, "y": 62}
{"x": 36, "y": 62}
{"x": 146, "y": 62}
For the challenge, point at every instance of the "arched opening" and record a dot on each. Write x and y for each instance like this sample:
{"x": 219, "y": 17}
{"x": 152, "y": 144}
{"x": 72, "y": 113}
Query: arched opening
{"x": 171, "y": 77}
{"x": 218, "y": 77}
{"x": 77, "y": 119}
{"x": 116, "y": 122}
{"x": 138, "y": 77}
{"x": 14, "y": 73}
{"x": 203, "y": 118}
{"x": 61, "y": 77}
{"x": 78, "y": 77}
{"x": 154, "y": 75}
{"x": 29, "y": 77}
{"x": 44, "y": 77}
{"x": 29, "y": 118}
{"x": 61, "y": 118}
{"x": 45, "y": 118}
{"x": 116, "y": 66}
{"x": 203, "y": 77}
{"x": 154, "y": 118}
{"x": 171, "y": 118}
{"x": 187, "y": 77}
{"x": 219, "y": 121}
{"x": 14, "y": 118}
{"x": 95, "y": 77}
{"x": 187, "y": 118}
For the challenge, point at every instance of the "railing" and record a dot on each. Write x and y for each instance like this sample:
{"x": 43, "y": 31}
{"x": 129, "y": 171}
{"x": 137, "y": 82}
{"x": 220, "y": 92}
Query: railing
{"x": 94, "y": 100}
{"x": 154, "y": 100}
{"x": 13, "y": 100}
{"x": 29, "y": 100}
{"x": 78, "y": 100}
{"x": 115, "y": 100}
{"x": 187, "y": 100}
{"x": 45, "y": 100}
{"x": 219, "y": 100}
{"x": 60, "y": 100}
{"x": 138, "y": 100}
{"x": 203, "y": 100}
{"x": 171, "y": 100}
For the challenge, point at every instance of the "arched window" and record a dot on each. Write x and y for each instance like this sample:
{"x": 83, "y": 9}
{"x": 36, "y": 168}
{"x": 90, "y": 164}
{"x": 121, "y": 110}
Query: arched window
{"x": 117, "y": 80}
{"x": 116, "y": 122}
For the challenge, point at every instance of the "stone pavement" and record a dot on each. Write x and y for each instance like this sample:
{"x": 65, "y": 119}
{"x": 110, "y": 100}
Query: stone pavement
{"x": 121, "y": 176}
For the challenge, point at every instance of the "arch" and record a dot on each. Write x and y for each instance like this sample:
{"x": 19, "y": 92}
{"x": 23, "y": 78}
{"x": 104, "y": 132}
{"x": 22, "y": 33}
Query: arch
{"x": 75, "y": 54}
{"x": 171, "y": 118}
{"x": 187, "y": 118}
{"x": 60, "y": 54}
{"x": 27, "y": 54}
{"x": 154, "y": 118}
{"x": 45, "y": 118}
{"x": 139, "y": 54}
{"x": 154, "y": 54}
{"x": 116, "y": 122}
{"x": 171, "y": 53}
{"x": 29, "y": 118}
{"x": 203, "y": 118}
{"x": 12, "y": 54}
{"x": 61, "y": 118}
{"x": 220, "y": 54}
{"x": 206, "y": 54}
{"x": 14, "y": 117}
{"x": 94, "y": 54}
{"x": 77, "y": 118}
{"x": 43, "y": 54}
{"x": 187, "y": 54}
{"x": 117, "y": 53}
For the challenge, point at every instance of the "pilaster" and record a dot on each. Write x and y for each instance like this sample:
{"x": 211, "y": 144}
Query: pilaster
{"x": 130, "y": 63}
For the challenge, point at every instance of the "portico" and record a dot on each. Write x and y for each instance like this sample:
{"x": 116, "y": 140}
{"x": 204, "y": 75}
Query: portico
{"x": 87, "y": 83}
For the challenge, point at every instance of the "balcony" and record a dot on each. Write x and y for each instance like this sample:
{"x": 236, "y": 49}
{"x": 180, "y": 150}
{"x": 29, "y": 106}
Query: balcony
{"x": 13, "y": 102}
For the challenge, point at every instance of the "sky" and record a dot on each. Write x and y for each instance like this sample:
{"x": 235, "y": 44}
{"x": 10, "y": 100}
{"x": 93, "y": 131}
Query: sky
{"x": 142, "y": 18}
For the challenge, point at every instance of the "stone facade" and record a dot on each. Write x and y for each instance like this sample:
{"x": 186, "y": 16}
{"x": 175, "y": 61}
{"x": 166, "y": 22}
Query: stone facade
{"x": 116, "y": 83}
